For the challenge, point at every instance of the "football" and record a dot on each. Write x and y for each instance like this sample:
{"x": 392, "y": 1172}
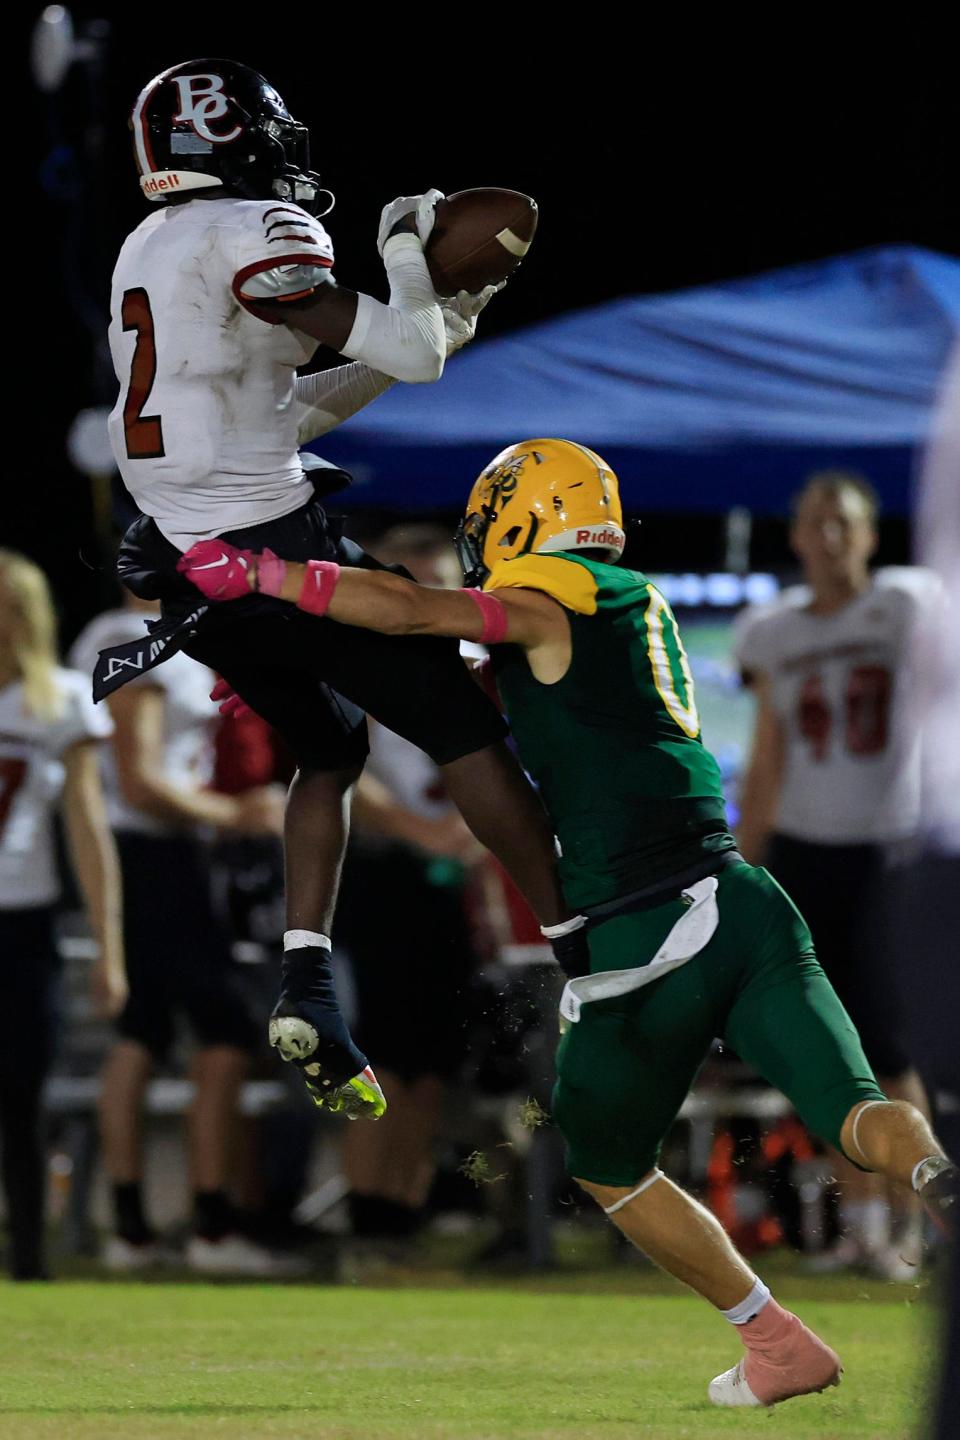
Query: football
{"x": 479, "y": 237}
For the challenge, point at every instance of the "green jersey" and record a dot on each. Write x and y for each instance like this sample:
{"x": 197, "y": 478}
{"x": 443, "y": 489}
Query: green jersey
{"x": 614, "y": 746}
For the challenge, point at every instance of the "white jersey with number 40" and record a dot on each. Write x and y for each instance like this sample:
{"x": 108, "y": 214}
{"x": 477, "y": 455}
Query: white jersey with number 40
{"x": 841, "y": 686}
{"x": 204, "y": 430}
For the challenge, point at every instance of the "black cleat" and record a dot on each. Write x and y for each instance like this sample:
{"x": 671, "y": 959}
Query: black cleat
{"x": 336, "y": 1073}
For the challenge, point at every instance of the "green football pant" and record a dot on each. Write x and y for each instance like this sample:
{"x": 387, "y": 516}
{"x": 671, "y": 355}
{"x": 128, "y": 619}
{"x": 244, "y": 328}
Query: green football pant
{"x": 625, "y": 1067}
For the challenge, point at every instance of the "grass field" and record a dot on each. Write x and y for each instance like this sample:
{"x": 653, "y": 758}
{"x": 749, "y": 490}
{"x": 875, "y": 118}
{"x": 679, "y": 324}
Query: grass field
{"x": 93, "y": 1360}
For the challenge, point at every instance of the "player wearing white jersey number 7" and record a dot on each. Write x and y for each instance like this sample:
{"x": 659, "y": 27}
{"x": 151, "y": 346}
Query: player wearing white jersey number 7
{"x": 49, "y": 734}
{"x": 218, "y": 297}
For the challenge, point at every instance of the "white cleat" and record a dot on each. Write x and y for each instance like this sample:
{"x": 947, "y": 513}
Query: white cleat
{"x": 843, "y": 1255}
{"x": 897, "y": 1268}
{"x": 731, "y": 1388}
{"x": 236, "y": 1255}
{"x": 295, "y": 1039}
{"x": 784, "y": 1359}
{"x": 123, "y": 1257}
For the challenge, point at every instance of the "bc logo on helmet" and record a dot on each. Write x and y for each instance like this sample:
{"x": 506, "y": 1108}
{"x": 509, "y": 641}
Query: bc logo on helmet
{"x": 202, "y": 99}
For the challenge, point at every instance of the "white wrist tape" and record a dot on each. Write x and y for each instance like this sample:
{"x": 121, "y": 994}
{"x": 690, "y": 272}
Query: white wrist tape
{"x": 305, "y": 940}
{"x": 404, "y": 339}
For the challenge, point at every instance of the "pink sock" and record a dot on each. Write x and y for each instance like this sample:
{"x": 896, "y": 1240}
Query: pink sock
{"x": 769, "y": 1327}
{"x": 785, "y": 1358}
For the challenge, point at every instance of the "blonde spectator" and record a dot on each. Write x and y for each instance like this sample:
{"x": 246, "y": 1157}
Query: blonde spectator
{"x": 49, "y": 735}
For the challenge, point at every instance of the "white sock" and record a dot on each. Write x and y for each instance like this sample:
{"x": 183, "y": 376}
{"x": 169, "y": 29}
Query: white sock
{"x": 868, "y": 1221}
{"x": 305, "y": 940}
{"x": 749, "y": 1308}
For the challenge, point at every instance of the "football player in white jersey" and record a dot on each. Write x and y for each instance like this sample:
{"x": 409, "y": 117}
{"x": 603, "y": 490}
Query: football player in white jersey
{"x": 834, "y": 781}
{"x": 49, "y": 734}
{"x": 218, "y": 296}
{"x": 157, "y": 776}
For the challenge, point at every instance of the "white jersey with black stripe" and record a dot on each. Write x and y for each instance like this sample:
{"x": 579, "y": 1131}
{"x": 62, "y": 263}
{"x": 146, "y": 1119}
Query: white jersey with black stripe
{"x": 842, "y": 688}
{"x": 204, "y": 430}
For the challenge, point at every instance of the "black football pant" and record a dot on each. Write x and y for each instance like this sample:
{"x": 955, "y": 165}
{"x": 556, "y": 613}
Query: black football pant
{"x": 28, "y": 986}
{"x": 313, "y": 679}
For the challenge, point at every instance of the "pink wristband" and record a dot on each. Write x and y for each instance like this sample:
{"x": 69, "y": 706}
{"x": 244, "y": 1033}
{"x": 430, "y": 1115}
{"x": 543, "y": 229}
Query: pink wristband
{"x": 270, "y": 573}
{"x": 319, "y": 584}
{"x": 494, "y": 614}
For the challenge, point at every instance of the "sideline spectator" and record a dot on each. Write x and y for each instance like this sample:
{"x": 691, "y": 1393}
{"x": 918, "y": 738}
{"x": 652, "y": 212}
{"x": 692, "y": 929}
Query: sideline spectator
{"x": 49, "y": 729}
{"x": 401, "y": 919}
{"x": 155, "y": 777}
{"x": 833, "y": 784}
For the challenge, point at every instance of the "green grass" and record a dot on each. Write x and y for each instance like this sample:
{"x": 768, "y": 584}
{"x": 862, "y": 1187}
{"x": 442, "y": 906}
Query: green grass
{"x": 94, "y": 1359}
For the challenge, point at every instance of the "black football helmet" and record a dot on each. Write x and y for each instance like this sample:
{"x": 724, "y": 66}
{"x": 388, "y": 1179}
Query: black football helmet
{"x": 210, "y": 123}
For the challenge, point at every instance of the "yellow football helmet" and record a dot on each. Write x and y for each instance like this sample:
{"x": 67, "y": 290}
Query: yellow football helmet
{"x": 538, "y": 498}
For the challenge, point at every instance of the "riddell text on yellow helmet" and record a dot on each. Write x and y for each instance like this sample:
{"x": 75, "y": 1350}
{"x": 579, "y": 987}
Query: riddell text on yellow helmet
{"x": 540, "y": 497}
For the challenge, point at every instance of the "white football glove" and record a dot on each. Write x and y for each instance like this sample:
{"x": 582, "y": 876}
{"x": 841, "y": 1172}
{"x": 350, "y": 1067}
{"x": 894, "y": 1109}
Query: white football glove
{"x": 424, "y": 207}
{"x": 460, "y": 313}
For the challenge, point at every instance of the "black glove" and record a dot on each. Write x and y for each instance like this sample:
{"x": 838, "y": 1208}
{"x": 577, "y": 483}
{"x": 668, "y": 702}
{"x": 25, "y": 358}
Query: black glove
{"x": 572, "y": 953}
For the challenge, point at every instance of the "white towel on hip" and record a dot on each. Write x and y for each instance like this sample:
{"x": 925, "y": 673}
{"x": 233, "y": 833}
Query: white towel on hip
{"x": 687, "y": 938}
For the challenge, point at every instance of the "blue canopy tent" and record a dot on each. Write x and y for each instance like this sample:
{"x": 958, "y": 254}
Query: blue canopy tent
{"x": 724, "y": 395}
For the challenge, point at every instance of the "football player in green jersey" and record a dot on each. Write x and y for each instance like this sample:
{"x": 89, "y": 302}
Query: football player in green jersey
{"x": 686, "y": 941}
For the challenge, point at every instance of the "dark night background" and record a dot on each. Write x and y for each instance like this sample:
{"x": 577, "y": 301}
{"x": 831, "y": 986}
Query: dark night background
{"x": 658, "y": 161}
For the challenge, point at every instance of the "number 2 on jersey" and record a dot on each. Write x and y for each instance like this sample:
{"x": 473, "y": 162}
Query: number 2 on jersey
{"x": 143, "y": 433}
